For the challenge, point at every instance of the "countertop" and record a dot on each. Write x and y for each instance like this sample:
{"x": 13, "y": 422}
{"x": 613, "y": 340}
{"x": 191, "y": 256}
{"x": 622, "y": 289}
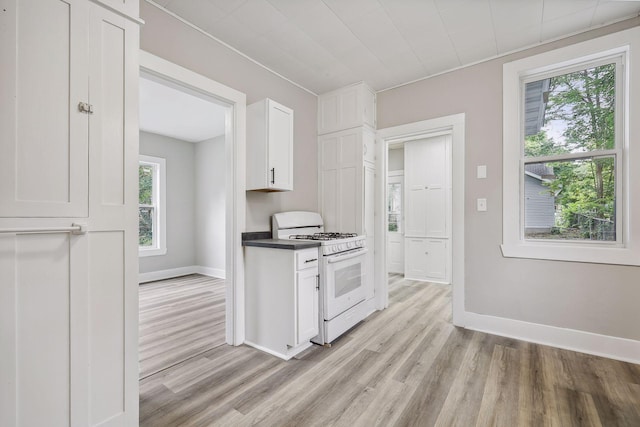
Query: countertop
{"x": 293, "y": 245}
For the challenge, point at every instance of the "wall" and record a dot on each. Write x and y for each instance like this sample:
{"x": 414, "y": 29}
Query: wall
{"x": 180, "y": 201}
{"x": 210, "y": 206}
{"x": 171, "y": 39}
{"x": 396, "y": 159}
{"x": 589, "y": 297}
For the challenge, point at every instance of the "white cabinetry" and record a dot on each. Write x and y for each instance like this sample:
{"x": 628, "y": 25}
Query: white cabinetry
{"x": 68, "y": 155}
{"x": 427, "y": 208}
{"x": 269, "y": 146}
{"x": 346, "y": 108}
{"x": 281, "y": 289}
{"x": 346, "y": 144}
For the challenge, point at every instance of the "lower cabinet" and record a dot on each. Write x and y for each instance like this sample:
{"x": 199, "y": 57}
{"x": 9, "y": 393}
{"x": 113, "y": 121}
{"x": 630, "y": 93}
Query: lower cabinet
{"x": 426, "y": 259}
{"x": 281, "y": 299}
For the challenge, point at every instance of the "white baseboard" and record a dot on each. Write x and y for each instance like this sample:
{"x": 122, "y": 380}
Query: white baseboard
{"x": 180, "y": 271}
{"x": 623, "y": 349}
{"x": 167, "y": 274}
{"x": 211, "y": 272}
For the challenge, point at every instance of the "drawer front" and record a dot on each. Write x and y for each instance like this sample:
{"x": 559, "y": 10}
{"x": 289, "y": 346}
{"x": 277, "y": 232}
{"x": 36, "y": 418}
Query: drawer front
{"x": 306, "y": 258}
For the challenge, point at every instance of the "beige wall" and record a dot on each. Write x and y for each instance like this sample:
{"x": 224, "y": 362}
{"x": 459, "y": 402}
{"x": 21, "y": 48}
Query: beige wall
{"x": 169, "y": 38}
{"x": 597, "y": 298}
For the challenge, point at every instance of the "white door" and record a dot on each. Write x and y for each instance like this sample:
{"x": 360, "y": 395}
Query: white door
{"x": 395, "y": 232}
{"x": 68, "y": 302}
{"x": 416, "y": 267}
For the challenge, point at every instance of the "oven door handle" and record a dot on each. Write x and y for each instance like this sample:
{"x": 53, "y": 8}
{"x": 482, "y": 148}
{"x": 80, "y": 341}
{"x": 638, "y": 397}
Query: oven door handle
{"x": 339, "y": 258}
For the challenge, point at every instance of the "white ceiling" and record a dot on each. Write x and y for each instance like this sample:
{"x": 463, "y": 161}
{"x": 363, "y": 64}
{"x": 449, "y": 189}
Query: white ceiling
{"x": 172, "y": 112}
{"x": 326, "y": 44}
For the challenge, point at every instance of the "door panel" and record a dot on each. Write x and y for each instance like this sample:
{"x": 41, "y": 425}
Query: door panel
{"x": 44, "y": 168}
{"x": 436, "y": 264}
{"x": 415, "y": 259}
{"x": 395, "y": 253}
{"x": 306, "y": 305}
{"x": 280, "y": 146}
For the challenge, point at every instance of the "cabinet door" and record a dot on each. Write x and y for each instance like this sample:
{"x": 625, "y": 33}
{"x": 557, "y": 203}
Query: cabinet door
{"x": 427, "y": 189}
{"x": 306, "y": 305}
{"x": 415, "y": 259}
{"x": 280, "y": 140}
{"x": 43, "y": 135}
{"x": 436, "y": 259}
{"x": 369, "y": 227}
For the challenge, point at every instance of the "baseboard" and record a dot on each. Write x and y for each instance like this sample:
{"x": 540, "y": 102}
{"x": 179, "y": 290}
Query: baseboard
{"x": 211, "y": 272}
{"x": 623, "y": 349}
{"x": 167, "y": 274}
{"x": 152, "y": 276}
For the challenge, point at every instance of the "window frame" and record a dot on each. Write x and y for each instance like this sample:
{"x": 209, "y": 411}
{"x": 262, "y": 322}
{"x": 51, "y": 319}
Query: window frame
{"x": 516, "y": 74}
{"x": 159, "y": 246}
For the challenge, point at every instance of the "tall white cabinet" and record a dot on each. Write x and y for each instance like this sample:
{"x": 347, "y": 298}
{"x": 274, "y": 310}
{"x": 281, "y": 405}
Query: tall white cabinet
{"x": 346, "y": 144}
{"x": 68, "y": 213}
{"x": 427, "y": 208}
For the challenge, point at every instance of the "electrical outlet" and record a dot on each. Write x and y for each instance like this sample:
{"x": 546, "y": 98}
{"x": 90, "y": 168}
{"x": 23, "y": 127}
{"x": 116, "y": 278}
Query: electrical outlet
{"x": 482, "y": 205}
{"x": 482, "y": 171}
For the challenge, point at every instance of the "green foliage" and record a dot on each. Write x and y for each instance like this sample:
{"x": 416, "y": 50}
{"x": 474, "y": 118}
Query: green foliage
{"x": 584, "y": 102}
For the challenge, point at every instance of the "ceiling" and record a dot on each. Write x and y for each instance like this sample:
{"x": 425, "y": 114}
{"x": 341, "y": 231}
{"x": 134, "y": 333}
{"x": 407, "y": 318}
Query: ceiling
{"x": 326, "y": 44}
{"x": 173, "y": 112}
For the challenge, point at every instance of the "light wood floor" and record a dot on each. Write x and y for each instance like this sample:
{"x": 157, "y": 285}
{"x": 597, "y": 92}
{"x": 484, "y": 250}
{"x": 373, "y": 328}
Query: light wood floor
{"x": 179, "y": 318}
{"x": 404, "y": 366}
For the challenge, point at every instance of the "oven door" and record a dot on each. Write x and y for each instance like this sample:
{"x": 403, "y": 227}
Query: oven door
{"x": 344, "y": 282}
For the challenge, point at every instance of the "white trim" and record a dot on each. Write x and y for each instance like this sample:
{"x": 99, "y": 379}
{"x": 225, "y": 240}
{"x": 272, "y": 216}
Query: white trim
{"x": 211, "y": 272}
{"x": 570, "y": 339}
{"x": 235, "y": 143}
{"x": 203, "y": 32}
{"x": 624, "y": 252}
{"x": 160, "y": 219}
{"x": 455, "y": 125}
{"x": 170, "y": 273}
{"x": 152, "y": 276}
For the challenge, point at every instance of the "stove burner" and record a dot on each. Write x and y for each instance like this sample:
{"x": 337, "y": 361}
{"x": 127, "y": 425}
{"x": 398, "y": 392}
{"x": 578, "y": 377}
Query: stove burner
{"x": 322, "y": 236}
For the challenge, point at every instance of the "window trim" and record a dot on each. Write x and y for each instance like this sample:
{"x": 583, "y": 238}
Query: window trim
{"x": 159, "y": 191}
{"x": 625, "y": 250}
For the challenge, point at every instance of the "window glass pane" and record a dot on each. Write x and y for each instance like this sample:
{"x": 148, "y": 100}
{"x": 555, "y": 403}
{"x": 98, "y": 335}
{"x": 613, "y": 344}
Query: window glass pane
{"x": 145, "y": 226}
{"x": 394, "y": 206}
{"x": 145, "y": 177}
{"x": 571, "y": 113}
{"x": 570, "y": 200}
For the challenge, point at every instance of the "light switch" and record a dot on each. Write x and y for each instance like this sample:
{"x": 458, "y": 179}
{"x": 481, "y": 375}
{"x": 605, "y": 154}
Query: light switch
{"x": 482, "y": 171}
{"x": 482, "y": 205}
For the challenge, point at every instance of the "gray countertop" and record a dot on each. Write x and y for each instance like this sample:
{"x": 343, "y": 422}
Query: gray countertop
{"x": 293, "y": 245}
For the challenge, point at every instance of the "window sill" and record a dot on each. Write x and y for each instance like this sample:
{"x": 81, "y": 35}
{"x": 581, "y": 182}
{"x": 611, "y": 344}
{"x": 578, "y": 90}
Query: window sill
{"x": 572, "y": 252}
{"x": 152, "y": 252}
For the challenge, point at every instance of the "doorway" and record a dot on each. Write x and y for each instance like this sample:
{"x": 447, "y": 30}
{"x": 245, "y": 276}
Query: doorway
{"x": 453, "y": 127}
{"x": 234, "y": 173}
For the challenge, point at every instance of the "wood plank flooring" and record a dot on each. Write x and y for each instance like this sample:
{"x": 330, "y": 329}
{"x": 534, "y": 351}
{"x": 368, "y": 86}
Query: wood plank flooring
{"x": 404, "y": 366}
{"x": 179, "y": 318}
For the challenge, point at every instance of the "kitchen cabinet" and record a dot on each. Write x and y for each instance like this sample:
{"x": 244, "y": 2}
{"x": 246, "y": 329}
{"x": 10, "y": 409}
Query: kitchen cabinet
{"x": 68, "y": 213}
{"x": 281, "y": 295}
{"x": 426, "y": 259}
{"x": 346, "y": 108}
{"x": 427, "y": 208}
{"x": 345, "y": 171}
{"x": 269, "y": 146}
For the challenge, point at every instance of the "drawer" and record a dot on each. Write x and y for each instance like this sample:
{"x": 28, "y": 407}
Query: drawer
{"x": 306, "y": 258}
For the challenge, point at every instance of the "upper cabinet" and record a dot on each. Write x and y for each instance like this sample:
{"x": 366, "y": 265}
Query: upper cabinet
{"x": 346, "y": 108}
{"x": 269, "y": 146}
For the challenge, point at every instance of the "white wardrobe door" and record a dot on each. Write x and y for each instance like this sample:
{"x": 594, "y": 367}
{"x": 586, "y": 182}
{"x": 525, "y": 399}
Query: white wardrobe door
{"x": 43, "y": 135}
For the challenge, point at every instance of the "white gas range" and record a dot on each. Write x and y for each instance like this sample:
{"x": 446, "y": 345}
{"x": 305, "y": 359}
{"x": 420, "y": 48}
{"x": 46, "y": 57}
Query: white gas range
{"x": 342, "y": 271}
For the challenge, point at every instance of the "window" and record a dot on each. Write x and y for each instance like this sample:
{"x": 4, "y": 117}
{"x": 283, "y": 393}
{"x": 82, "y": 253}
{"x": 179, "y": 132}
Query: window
{"x": 151, "y": 206}
{"x": 394, "y": 204}
{"x": 566, "y": 153}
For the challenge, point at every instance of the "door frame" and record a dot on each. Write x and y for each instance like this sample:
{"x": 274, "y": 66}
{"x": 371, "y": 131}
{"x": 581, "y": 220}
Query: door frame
{"x": 455, "y": 126}
{"x": 235, "y": 206}
{"x": 397, "y": 175}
